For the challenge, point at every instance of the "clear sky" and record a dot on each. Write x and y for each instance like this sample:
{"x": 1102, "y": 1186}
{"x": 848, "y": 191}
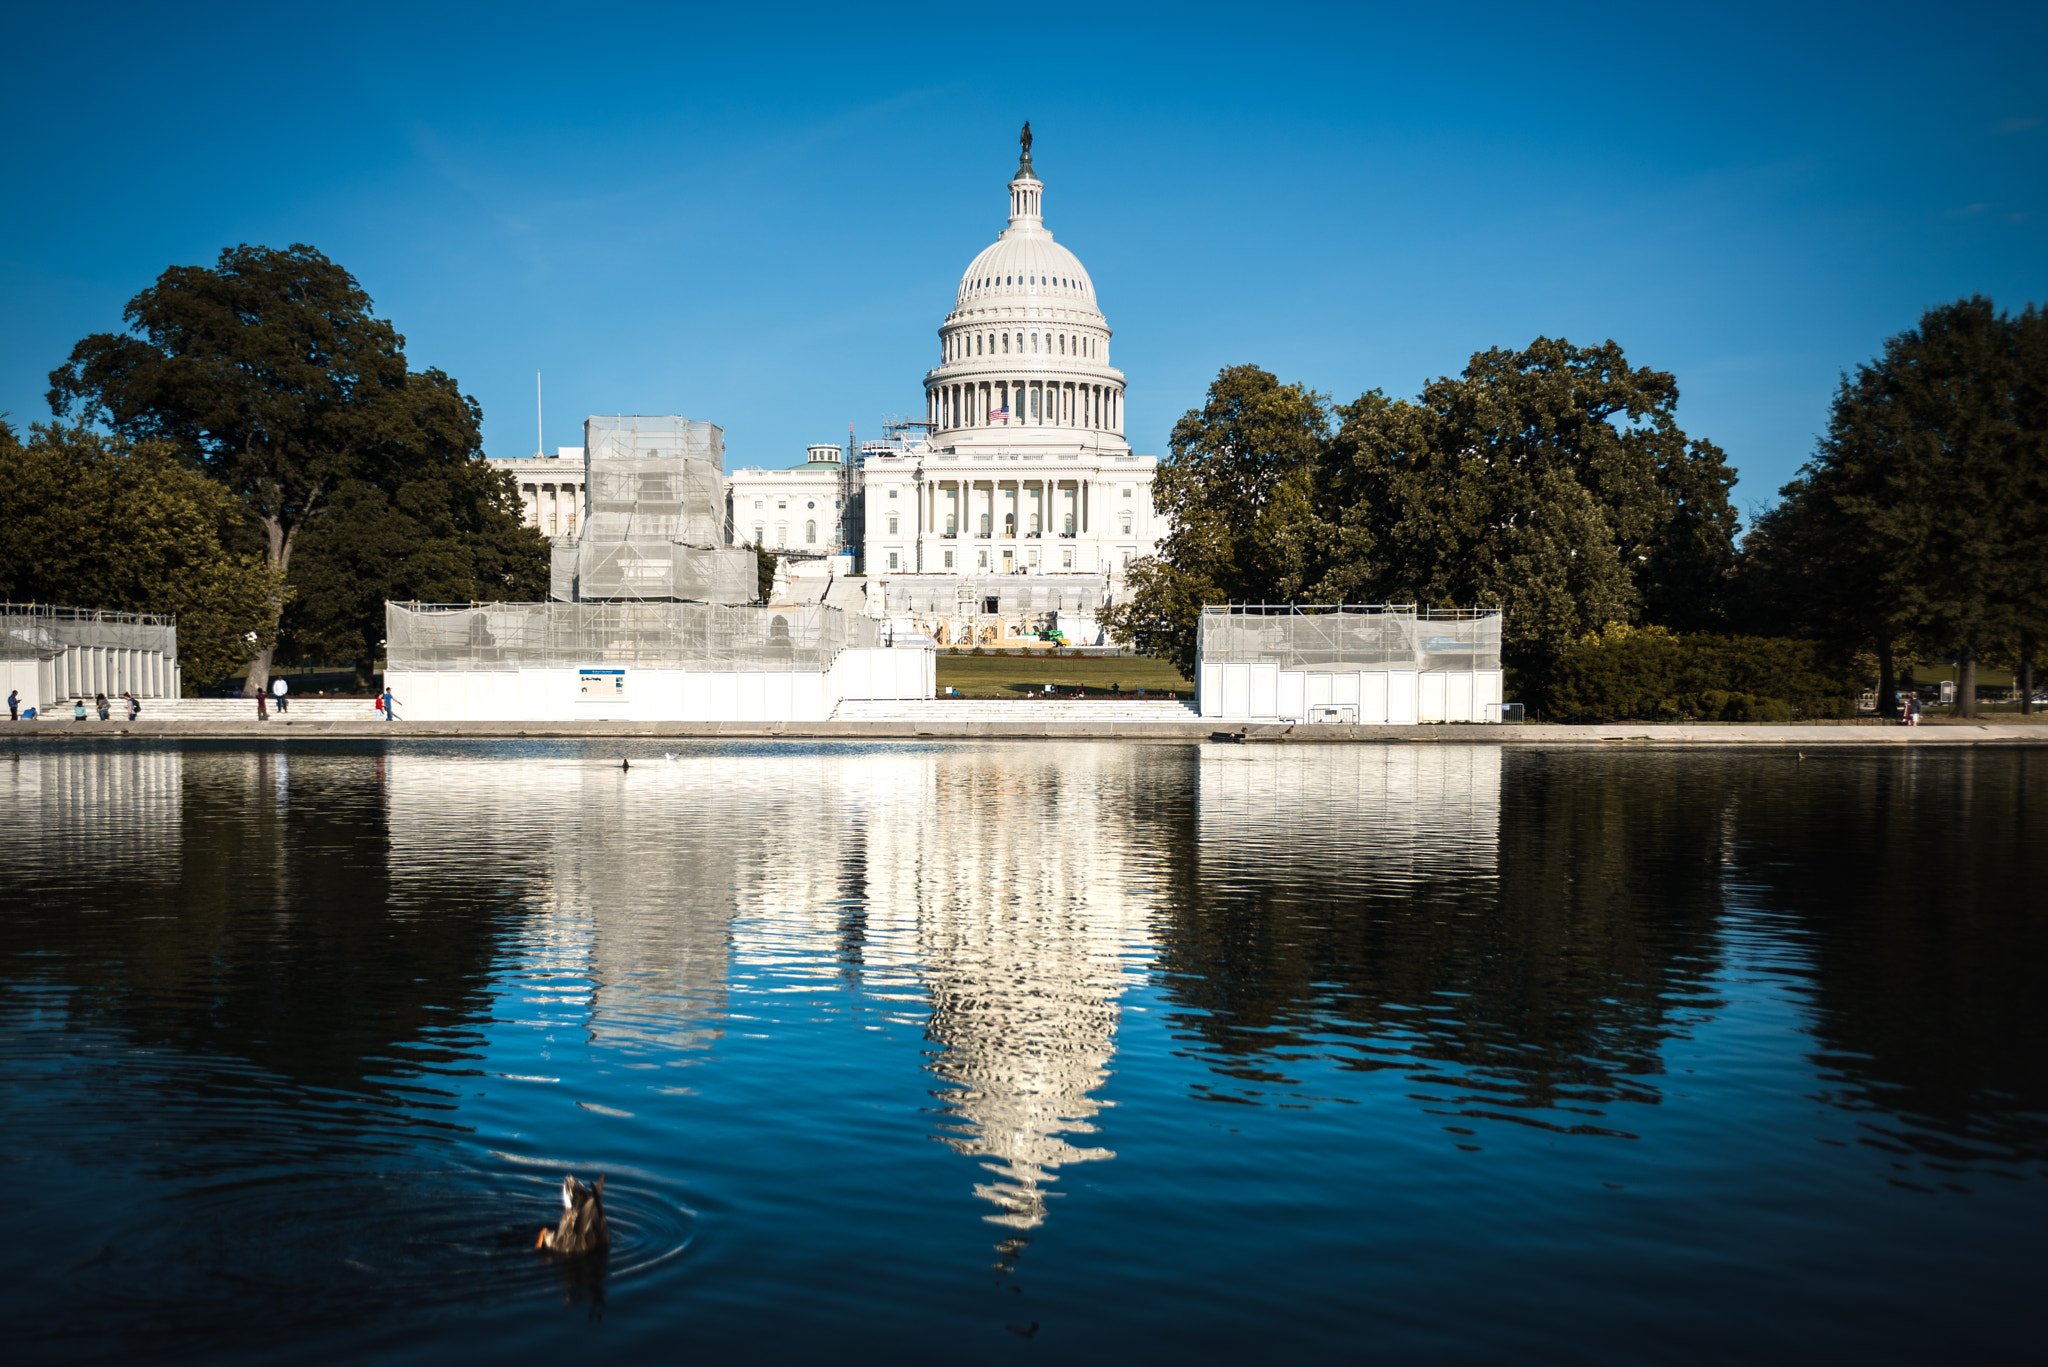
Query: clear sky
{"x": 758, "y": 214}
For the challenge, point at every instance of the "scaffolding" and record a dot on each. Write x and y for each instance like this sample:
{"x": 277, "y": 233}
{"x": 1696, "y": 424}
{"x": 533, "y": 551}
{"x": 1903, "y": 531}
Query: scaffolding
{"x": 1011, "y": 594}
{"x": 653, "y": 521}
{"x": 49, "y": 651}
{"x": 502, "y": 637}
{"x": 1315, "y": 636}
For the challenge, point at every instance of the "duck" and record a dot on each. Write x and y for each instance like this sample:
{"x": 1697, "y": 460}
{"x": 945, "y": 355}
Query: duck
{"x": 583, "y": 1229}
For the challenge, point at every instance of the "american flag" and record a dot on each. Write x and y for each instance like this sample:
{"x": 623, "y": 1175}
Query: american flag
{"x": 1002, "y": 413}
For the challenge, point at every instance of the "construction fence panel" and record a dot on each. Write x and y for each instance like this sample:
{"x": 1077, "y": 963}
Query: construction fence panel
{"x": 659, "y": 635}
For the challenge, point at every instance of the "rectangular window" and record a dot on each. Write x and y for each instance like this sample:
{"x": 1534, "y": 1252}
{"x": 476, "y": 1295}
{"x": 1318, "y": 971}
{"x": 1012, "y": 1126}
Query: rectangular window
{"x": 949, "y": 560}
{"x": 892, "y": 526}
{"x": 892, "y": 493}
{"x": 892, "y": 560}
{"x": 1067, "y": 558}
{"x": 984, "y": 559}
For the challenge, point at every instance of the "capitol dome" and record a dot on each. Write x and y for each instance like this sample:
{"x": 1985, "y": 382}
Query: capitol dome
{"x": 1026, "y": 346}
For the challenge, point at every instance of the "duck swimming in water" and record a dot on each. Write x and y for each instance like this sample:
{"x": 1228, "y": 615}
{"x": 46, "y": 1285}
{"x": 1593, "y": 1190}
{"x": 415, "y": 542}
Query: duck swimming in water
{"x": 583, "y": 1229}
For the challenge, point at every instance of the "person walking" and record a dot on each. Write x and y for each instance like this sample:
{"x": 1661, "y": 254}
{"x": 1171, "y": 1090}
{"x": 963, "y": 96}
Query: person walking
{"x": 14, "y": 704}
{"x": 390, "y": 706}
{"x": 134, "y": 707}
{"x": 99, "y": 702}
{"x": 279, "y": 687}
{"x": 262, "y": 708}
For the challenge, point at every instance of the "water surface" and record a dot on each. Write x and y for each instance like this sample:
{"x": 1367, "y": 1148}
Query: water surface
{"x": 977, "y": 1052}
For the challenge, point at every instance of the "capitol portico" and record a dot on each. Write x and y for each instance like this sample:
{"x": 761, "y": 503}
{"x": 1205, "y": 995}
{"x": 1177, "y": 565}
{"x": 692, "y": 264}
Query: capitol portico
{"x": 1025, "y": 469}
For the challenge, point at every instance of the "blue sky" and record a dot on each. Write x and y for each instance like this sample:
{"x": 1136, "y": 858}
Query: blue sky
{"x": 758, "y": 215}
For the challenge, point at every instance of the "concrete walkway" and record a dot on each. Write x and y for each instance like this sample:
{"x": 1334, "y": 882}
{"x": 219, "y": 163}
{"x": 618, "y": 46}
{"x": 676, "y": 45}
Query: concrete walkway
{"x": 1024, "y": 726}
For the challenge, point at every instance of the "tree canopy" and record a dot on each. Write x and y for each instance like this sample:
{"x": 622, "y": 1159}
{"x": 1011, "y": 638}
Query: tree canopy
{"x": 106, "y": 523}
{"x": 1925, "y": 508}
{"x": 442, "y": 526}
{"x": 1553, "y": 482}
{"x": 1235, "y": 488}
{"x": 270, "y": 373}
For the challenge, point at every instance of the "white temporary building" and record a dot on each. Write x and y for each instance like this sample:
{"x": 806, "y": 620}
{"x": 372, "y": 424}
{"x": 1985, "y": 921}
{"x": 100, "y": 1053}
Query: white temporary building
{"x": 51, "y": 654}
{"x": 1362, "y": 664}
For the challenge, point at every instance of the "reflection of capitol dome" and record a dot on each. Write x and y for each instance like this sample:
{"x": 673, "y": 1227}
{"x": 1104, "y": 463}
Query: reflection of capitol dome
{"x": 1026, "y": 336}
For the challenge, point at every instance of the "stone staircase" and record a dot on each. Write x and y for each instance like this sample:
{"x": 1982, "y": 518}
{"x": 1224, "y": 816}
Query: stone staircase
{"x": 228, "y": 709}
{"x": 958, "y": 711}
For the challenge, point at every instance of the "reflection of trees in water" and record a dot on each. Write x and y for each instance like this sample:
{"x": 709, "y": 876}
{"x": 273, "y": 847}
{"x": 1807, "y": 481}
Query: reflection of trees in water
{"x": 1520, "y": 931}
{"x": 1918, "y": 883}
{"x": 243, "y": 904}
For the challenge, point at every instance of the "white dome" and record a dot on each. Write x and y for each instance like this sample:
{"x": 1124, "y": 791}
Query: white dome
{"x": 1024, "y": 353}
{"x": 1024, "y": 266}
{"x": 1024, "y": 270}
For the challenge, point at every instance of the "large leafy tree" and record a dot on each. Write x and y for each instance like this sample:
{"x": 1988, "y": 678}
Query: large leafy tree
{"x": 1553, "y": 482}
{"x": 1934, "y": 472}
{"x": 106, "y": 523}
{"x": 1807, "y": 568}
{"x": 270, "y": 372}
{"x": 1236, "y": 491}
{"x": 433, "y": 524}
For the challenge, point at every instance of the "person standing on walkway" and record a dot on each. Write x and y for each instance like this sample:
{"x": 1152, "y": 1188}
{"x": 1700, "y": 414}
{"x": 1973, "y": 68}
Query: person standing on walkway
{"x": 280, "y": 687}
{"x": 99, "y": 702}
{"x": 14, "y": 704}
{"x": 390, "y": 706}
{"x": 262, "y": 707}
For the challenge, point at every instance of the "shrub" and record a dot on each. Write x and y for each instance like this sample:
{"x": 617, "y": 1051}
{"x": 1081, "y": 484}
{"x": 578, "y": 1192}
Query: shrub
{"x": 1639, "y": 674}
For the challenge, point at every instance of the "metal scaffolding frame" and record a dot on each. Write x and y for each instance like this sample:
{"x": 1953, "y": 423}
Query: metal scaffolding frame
{"x": 1320, "y": 636}
{"x": 485, "y": 637}
{"x": 653, "y": 518}
{"x": 1014, "y": 594}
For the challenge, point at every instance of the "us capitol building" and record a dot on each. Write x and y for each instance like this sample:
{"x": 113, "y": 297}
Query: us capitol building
{"x": 1020, "y": 466}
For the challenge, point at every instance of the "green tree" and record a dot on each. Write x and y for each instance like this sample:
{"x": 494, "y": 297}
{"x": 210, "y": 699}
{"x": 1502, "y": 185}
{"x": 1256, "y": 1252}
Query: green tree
{"x": 269, "y": 371}
{"x": 1552, "y": 482}
{"x": 1808, "y": 569}
{"x": 107, "y": 523}
{"x": 1935, "y": 467}
{"x": 1235, "y": 488}
{"x": 433, "y": 523}
{"x": 765, "y": 563}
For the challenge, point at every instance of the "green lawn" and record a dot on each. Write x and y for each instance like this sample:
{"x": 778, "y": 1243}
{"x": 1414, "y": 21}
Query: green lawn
{"x": 1012, "y": 676}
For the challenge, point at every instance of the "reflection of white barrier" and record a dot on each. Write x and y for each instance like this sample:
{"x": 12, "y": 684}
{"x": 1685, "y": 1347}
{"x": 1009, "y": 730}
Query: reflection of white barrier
{"x": 1265, "y": 692}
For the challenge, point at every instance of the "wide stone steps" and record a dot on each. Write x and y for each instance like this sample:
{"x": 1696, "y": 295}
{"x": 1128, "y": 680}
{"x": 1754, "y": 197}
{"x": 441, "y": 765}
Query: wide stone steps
{"x": 954, "y": 711}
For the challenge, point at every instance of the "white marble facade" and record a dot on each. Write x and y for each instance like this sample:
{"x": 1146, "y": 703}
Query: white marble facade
{"x": 796, "y": 509}
{"x": 550, "y": 489}
{"x": 1025, "y": 469}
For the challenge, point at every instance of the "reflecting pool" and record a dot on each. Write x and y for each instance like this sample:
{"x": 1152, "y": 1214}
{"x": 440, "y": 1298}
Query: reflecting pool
{"x": 980, "y": 1052}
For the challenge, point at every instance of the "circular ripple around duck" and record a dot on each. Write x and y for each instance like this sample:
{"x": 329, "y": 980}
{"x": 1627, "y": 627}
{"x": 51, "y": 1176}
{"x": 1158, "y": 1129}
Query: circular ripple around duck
{"x": 327, "y": 1246}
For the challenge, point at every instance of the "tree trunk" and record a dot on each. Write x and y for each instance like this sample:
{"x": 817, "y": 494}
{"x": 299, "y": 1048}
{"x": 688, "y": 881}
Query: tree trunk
{"x": 366, "y": 669}
{"x": 2026, "y": 675}
{"x": 1966, "y": 684}
{"x": 278, "y": 548}
{"x": 1887, "y": 681}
